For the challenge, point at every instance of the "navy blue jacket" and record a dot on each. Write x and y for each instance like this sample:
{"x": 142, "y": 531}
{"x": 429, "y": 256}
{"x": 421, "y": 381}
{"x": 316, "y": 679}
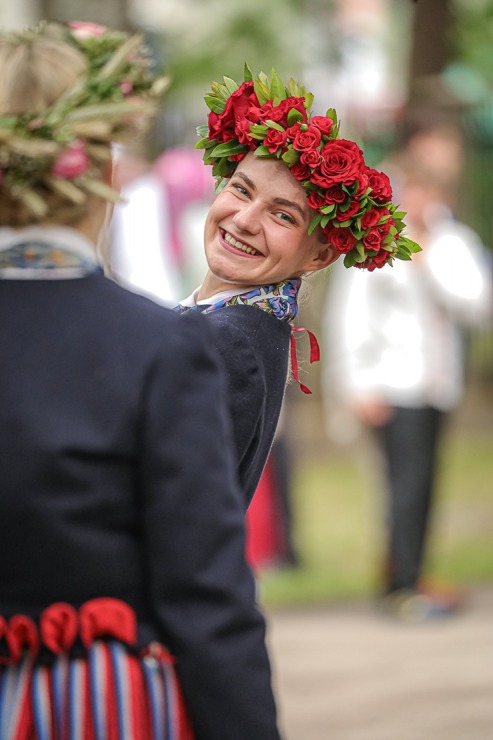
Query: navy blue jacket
{"x": 254, "y": 346}
{"x": 116, "y": 479}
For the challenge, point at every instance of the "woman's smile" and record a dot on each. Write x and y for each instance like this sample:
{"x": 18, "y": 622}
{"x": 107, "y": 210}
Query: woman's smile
{"x": 234, "y": 245}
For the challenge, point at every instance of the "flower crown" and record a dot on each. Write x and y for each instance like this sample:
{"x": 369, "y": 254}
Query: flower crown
{"x": 352, "y": 202}
{"x": 56, "y": 151}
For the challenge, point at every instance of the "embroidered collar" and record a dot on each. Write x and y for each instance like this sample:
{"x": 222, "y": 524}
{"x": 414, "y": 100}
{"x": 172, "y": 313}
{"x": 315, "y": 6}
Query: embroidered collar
{"x": 280, "y": 300}
{"x": 45, "y": 252}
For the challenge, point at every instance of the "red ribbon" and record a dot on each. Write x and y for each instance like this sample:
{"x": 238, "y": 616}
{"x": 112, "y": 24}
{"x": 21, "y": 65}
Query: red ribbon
{"x": 314, "y": 354}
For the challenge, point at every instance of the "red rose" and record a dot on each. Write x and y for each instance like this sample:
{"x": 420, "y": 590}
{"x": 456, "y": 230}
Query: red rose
{"x": 341, "y": 238}
{"x": 362, "y": 185}
{"x": 306, "y": 140}
{"x": 259, "y": 114}
{"x": 310, "y": 158}
{"x": 335, "y": 194}
{"x": 342, "y": 161}
{"x": 380, "y": 185}
{"x": 222, "y": 126}
{"x": 316, "y": 200}
{"x": 350, "y": 212}
{"x": 323, "y": 124}
{"x": 372, "y": 263}
{"x": 373, "y": 240}
{"x": 280, "y": 112}
{"x": 300, "y": 171}
{"x": 217, "y": 130}
{"x": 275, "y": 139}
{"x": 243, "y": 134}
{"x": 371, "y": 218}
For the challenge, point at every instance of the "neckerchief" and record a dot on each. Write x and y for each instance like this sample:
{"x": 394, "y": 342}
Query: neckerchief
{"x": 279, "y": 300}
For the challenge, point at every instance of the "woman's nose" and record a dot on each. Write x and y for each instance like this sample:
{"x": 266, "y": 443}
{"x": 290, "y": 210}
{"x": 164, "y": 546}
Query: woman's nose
{"x": 247, "y": 218}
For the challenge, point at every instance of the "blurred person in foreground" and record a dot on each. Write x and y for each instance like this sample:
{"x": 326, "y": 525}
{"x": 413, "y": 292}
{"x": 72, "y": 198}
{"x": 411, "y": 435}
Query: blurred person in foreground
{"x": 291, "y": 196}
{"x": 122, "y": 529}
{"x": 395, "y": 358}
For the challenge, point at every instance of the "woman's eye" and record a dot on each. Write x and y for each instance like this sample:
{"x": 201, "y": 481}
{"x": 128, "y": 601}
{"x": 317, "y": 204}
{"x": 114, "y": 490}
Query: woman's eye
{"x": 239, "y": 188}
{"x": 285, "y": 217}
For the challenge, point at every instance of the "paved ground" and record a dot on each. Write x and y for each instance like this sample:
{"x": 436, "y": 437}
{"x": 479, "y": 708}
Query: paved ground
{"x": 344, "y": 672}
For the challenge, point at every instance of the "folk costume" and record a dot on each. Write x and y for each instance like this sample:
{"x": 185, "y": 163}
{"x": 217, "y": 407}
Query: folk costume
{"x": 127, "y": 609}
{"x": 270, "y": 120}
{"x": 118, "y": 497}
{"x": 253, "y": 339}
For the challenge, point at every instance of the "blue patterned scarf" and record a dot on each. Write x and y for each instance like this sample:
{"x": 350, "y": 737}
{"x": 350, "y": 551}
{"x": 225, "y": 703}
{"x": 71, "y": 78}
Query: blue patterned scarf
{"x": 280, "y": 300}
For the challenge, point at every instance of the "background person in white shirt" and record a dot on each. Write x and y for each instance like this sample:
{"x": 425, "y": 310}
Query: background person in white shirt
{"x": 394, "y": 358}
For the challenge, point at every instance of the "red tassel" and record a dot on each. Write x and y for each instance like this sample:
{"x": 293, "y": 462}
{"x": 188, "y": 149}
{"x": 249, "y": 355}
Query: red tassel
{"x": 314, "y": 354}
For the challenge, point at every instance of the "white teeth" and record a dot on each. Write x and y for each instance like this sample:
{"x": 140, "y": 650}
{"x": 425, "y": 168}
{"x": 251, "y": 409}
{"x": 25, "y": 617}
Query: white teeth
{"x": 238, "y": 245}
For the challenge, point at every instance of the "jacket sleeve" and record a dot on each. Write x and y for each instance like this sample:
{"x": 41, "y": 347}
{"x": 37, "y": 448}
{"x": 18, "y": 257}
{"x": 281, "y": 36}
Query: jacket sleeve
{"x": 244, "y": 375}
{"x": 200, "y": 588}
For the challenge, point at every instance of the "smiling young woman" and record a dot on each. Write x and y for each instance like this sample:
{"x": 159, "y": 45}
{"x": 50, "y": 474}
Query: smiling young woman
{"x": 256, "y": 231}
{"x": 293, "y": 198}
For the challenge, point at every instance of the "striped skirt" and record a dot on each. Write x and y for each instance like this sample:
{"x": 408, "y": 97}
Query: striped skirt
{"x": 111, "y": 692}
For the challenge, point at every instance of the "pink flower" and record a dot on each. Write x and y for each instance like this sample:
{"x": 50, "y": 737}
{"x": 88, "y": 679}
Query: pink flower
{"x": 72, "y": 162}
{"x": 126, "y": 87}
{"x": 82, "y": 30}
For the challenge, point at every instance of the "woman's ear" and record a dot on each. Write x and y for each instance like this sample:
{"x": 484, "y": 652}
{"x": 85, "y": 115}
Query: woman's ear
{"x": 324, "y": 256}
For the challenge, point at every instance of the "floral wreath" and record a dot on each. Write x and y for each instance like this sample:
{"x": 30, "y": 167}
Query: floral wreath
{"x": 54, "y": 151}
{"x": 352, "y": 202}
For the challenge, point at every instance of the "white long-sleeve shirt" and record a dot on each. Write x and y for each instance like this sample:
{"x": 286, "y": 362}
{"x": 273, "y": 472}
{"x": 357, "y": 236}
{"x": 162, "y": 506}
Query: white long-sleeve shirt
{"x": 396, "y": 334}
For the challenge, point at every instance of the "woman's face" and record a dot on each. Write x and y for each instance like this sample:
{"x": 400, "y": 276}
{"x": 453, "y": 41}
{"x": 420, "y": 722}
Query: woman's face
{"x": 256, "y": 232}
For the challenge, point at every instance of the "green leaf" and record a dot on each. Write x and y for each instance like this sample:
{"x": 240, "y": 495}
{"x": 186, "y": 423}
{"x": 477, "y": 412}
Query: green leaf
{"x": 231, "y": 85}
{"x": 325, "y": 220}
{"x": 294, "y": 116}
{"x": 290, "y": 157}
{"x": 203, "y": 131}
{"x": 308, "y": 100}
{"x": 274, "y": 124}
{"x": 327, "y": 210}
{"x": 201, "y": 144}
{"x": 261, "y": 91}
{"x": 314, "y": 223}
{"x": 247, "y": 73}
{"x": 403, "y": 255}
{"x": 262, "y": 151}
{"x": 360, "y": 249}
{"x": 227, "y": 149}
{"x": 277, "y": 89}
{"x": 409, "y": 244}
{"x": 349, "y": 259}
{"x": 332, "y": 114}
{"x": 215, "y": 104}
{"x": 295, "y": 90}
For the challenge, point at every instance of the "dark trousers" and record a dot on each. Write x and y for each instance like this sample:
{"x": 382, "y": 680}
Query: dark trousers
{"x": 410, "y": 444}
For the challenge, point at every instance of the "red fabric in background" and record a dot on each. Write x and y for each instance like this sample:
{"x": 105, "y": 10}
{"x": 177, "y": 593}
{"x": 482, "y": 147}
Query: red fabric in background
{"x": 266, "y": 544}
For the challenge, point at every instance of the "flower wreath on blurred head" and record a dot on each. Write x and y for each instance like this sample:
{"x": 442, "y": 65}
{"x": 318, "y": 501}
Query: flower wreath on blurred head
{"x": 54, "y": 158}
{"x": 352, "y": 202}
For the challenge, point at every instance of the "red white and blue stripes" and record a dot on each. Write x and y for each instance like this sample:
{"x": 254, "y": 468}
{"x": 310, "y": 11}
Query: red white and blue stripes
{"x": 110, "y": 692}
